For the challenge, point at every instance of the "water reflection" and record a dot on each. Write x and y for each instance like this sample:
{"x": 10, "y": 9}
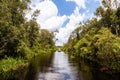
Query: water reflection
{"x": 58, "y": 66}
{"x": 61, "y": 69}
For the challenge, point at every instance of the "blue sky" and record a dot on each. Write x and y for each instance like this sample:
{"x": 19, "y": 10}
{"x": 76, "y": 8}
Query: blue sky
{"x": 63, "y": 15}
{"x": 66, "y": 8}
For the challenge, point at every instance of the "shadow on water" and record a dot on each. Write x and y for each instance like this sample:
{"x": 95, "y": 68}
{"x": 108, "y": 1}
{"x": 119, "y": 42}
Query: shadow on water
{"x": 38, "y": 64}
{"x": 59, "y": 66}
{"x": 92, "y": 72}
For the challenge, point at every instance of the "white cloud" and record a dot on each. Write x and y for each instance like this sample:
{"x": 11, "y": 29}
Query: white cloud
{"x": 53, "y": 23}
{"x": 48, "y": 17}
{"x": 80, "y": 3}
{"x": 64, "y": 33}
{"x": 35, "y": 1}
{"x": 47, "y": 10}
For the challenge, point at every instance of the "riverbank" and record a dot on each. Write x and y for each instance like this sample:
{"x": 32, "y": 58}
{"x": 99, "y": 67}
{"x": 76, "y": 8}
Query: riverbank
{"x": 16, "y": 68}
{"x": 99, "y": 47}
{"x": 12, "y": 68}
{"x": 91, "y": 71}
{"x": 35, "y": 63}
{"x": 20, "y": 39}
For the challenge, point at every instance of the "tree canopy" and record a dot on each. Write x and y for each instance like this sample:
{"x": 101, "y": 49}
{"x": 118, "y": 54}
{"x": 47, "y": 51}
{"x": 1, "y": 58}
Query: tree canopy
{"x": 18, "y": 35}
{"x": 98, "y": 40}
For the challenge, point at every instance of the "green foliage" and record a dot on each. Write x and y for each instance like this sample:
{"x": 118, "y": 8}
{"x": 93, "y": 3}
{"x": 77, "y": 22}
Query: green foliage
{"x": 99, "y": 46}
{"x": 98, "y": 41}
{"x": 32, "y": 31}
{"x": 11, "y": 68}
{"x": 17, "y": 36}
{"x": 100, "y": 49}
{"x": 83, "y": 46}
{"x": 9, "y": 63}
{"x": 20, "y": 38}
{"x": 46, "y": 39}
{"x": 11, "y": 26}
{"x": 108, "y": 13}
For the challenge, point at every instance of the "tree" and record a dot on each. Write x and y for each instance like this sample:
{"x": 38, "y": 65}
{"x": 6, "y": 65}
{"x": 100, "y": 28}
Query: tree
{"x": 32, "y": 30}
{"x": 46, "y": 39}
{"x": 11, "y": 25}
{"x": 108, "y": 14}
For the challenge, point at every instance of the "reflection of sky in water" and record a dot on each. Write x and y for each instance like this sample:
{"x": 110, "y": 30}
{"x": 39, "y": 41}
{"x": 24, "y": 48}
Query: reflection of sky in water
{"x": 60, "y": 70}
{"x": 61, "y": 62}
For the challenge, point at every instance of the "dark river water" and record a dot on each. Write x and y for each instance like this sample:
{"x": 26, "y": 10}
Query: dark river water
{"x": 60, "y": 67}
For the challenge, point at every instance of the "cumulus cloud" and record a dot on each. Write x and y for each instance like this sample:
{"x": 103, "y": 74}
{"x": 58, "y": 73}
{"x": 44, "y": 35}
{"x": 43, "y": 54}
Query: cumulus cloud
{"x": 64, "y": 33}
{"x": 48, "y": 17}
{"x": 47, "y": 10}
{"x": 53, "y": 23}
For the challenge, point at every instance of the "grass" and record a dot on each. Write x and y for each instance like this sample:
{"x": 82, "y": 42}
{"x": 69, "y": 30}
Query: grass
{"x": 16, "y": 68}
{"x": 12, "y": 68}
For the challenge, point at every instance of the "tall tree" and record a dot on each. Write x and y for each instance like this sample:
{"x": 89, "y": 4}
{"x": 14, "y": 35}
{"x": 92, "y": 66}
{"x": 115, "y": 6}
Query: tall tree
{"x": 11, "y": 25}
{"x": 108, "y": 14}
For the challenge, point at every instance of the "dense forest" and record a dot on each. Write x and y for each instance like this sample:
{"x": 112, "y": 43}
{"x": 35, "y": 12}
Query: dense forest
{"x": 20, "y": 39}
{"x": 98, "y": 40}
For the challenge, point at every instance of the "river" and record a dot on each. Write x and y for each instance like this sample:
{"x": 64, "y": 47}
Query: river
{"x": 60, "y": 67}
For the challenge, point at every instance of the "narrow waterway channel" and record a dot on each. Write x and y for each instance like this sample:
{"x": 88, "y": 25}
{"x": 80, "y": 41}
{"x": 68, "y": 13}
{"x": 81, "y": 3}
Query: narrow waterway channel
{"x": 59, "y": 67}
{"x": 56, "y": 68}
